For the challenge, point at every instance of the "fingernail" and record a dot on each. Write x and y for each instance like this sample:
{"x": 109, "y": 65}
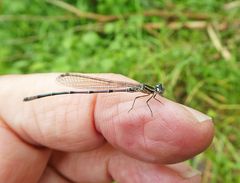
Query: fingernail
{"x": 198, "y": 115}
{"x": 191, "y": 173}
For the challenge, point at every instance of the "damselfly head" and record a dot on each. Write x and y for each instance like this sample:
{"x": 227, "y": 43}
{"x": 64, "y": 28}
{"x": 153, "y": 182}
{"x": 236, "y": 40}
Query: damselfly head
{"x": 159, "y": 88}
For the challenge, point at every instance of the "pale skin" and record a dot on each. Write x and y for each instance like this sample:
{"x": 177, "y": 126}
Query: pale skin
{"x": 93, "y": 138}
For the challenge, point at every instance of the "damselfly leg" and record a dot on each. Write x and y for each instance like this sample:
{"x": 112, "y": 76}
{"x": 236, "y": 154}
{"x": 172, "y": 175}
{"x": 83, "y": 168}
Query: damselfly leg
{"x": 141, "y": 96}
{"x": 147, "y": 102}
{"x": 156, "y": 98}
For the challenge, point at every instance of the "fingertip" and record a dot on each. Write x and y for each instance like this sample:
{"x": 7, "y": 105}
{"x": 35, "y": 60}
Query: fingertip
{"x": 173, "y": 134}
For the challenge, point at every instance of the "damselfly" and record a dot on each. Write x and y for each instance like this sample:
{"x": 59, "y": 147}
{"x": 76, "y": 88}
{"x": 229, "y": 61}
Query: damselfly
{"x": 90, "y": 85}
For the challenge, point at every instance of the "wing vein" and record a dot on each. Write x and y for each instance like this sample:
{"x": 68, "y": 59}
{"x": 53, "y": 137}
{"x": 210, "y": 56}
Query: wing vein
{"x": 84, "y": 81}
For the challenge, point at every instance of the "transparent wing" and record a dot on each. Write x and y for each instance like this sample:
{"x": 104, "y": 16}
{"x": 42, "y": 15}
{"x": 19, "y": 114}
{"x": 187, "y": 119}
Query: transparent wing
{"x": 84, "y": 81}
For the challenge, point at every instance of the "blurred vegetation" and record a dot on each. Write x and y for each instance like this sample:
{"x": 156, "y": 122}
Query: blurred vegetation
{"x": 193, "y": 47}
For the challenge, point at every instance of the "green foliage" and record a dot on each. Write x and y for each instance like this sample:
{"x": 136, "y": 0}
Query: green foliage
{"x": 186, "y": 60}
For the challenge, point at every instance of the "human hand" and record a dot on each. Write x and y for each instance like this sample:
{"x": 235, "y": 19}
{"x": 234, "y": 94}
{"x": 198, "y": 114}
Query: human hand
{"x": 93, "y": 138}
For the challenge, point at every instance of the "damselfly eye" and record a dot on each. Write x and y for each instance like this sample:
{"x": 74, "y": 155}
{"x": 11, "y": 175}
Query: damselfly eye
{"x": 159, "y": 88}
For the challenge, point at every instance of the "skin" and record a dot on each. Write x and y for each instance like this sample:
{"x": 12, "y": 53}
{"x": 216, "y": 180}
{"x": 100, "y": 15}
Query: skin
{"x": 92, "y": 138}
